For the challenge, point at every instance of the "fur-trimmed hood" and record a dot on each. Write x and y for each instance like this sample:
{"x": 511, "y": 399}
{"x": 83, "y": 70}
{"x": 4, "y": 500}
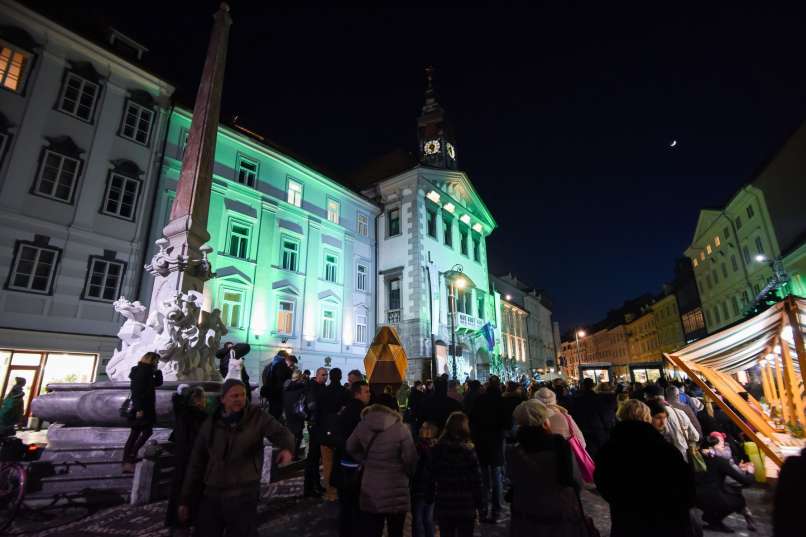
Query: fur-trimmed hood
{"x": 380, "y": 417}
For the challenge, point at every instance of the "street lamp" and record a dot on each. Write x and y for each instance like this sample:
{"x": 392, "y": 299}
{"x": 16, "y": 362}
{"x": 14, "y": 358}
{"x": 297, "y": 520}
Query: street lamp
{"x": 579, "y": 334}
{"x": 458, "y": 281}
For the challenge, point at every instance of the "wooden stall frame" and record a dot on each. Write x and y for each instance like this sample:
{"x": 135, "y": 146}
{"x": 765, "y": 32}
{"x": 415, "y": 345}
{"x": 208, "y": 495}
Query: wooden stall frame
{"x": 773, "y": 456}
{"x": 790, "y": 307}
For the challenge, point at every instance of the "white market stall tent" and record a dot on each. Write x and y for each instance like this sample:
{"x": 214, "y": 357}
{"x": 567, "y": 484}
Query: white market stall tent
{"x": 773, "y": 342}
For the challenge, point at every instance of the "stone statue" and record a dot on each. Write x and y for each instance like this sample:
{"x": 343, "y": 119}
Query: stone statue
{"x": 185, "y": 338}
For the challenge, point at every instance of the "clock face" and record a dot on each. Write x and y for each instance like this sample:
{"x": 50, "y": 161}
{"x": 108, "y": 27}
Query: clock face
{"x": 431, "y": 147}
{"x": 451, "y": 151}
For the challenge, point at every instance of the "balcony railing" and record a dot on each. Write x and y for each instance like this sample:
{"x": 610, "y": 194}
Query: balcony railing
{"x": 393, "y": 316}
{"x": 468, "y": 323}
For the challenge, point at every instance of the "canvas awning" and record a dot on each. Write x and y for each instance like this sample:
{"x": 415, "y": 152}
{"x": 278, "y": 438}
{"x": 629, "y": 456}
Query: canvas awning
{"x": 773, "y": 341}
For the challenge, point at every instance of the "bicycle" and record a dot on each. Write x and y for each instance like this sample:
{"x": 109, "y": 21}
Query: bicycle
{"x": 13, "y": 476}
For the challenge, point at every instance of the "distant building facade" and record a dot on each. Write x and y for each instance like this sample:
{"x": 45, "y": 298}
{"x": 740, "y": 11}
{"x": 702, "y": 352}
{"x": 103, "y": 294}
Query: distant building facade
{"x": 293, "y": 251}
{"x": 81, "y": 128}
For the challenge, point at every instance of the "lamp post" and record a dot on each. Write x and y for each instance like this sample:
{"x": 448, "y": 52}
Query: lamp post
{"x": 778, "y": 280}
{"x": 577, "y": 335}
{"x": 457, "y": 281}
{"x": 431, "y": 321}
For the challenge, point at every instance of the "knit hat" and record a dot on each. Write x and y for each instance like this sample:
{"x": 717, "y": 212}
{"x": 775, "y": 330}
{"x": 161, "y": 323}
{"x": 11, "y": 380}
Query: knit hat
{"x": 229, "y": 384}
{"x": 531, "y": 413}
{"x": 546, "y": 396}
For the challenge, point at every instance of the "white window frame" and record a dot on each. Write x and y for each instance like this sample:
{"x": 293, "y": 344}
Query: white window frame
{"x": 227, "y": 306}
{"x": 294, "y": 192}
{"x": 42, "y": 166}
{"x": 389, "y": 222}
{"x": 281, "y": 314}
{"x": 125, "y": 182}
{"x": 250, "y": 175}
{"x": 361, "y": 328}
{"x": 83, "y": 84}
{"x": 39, "y": 249}
{"x": 107, "y": 263}
{"x": 324, "y": 324}
{"x": 327, "y": 265}
{"x": 23, "y": 67}
{"x": 243, "y": 240}
{"x": 140, "y": 112}
{"x": 295, "y": 253}
{"x": 361, "y": 277}
{"x": 362, "y": 224}
{"x": 333, "y": 210}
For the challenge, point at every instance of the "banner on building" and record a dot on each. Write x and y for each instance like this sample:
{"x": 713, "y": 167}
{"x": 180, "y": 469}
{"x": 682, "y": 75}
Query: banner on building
{"x": 489, "y": 336}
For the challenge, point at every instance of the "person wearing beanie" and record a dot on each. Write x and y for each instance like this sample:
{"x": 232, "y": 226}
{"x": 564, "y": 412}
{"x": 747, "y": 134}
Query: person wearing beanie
{"x": 544, "y": 477}
{"x": 560, "y": 420}
{"x": 227, "y": 463}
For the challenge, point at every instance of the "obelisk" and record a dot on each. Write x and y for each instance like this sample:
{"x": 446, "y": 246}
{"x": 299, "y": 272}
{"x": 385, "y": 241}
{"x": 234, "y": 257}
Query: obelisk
{"x": 181, "y": 264}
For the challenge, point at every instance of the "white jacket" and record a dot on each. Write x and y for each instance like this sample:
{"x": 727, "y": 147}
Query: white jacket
{"x": 680, "y": 429}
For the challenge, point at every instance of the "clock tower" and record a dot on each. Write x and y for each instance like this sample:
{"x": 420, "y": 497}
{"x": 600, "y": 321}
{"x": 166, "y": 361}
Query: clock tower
{"x": 435, "y": 137}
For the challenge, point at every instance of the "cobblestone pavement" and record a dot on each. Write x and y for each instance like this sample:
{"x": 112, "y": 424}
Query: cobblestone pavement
{"x": 287, "y": 514}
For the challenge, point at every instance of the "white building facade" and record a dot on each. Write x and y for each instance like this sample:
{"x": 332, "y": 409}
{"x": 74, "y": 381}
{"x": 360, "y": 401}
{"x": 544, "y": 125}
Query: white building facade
{"x": 80, "y": 132}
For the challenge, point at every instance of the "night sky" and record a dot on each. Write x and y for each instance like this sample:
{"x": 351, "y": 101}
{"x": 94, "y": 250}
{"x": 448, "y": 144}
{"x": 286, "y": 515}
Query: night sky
{"x": 563, "y": 116}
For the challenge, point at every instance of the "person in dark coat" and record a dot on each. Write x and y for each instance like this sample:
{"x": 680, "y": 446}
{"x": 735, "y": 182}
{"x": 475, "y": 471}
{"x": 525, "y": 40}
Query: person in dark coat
{"x": 12, "y": 408}
{"x": 274, "y": 376}
{"x": 314, "y": 396}
{"x": 348, "y": 419}
{"x": 633, "y": 449}
{"x": 145, "y": 377}
{"x": 787, "y": 515}
{"x": 189, "y": 416}
{"x": 592, "y": 415}
{"x": 293, "y": 392}
{"x": 488, "y": 424}
{"x": 474, "y": 390}
{"x": 331, "y": 401}
{"x": 422, "y": 501}
{"x": 456, "y": 479}
{"x": 436, "y": 408}
{"x": 717, "y": 499}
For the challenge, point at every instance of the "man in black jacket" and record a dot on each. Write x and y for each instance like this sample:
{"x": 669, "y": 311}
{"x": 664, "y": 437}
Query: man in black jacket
{"x": 436, "y": 408}
{"x": 489, "y": 421}
{"x": 332, "y": 399}
{"x": 315, "y": 400}
{"x": 348, "y": 419}
{"x": 274, "y": 376}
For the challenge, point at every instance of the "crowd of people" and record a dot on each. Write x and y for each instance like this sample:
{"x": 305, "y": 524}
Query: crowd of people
{"x": 452, "y": 454}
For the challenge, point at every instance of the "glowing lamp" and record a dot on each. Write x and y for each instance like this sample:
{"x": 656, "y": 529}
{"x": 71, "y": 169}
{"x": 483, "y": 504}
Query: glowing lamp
{"x": 477, "y": 228}
{"x": 761, "y": 258}
{"x": 581, "y": 333}
{"x": 433, "y": 196}
{"x": 460, "y": 283}
{"x": 508, "y": 297}
{"x": 450, "y": 207}
{"x": 465, "y": 218}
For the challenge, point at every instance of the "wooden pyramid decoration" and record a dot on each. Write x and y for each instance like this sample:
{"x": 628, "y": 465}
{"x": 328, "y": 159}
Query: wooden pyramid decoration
{"x": 386, "y": 361}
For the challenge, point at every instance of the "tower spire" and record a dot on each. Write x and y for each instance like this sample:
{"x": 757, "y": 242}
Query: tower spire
{"x": 431, "y": 105}
{"x": 436, "y": 140}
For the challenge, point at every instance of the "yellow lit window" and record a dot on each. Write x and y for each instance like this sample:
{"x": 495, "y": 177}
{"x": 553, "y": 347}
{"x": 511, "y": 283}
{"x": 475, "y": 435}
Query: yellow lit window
{"x": 12, "y": 68}
{"x": 708, "y": 249}
{"x": 717, "y": 243}
{"x": 696, "y": 262}
{"x": 702, "y": 256}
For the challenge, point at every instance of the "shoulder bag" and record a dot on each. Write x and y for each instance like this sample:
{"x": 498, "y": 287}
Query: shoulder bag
{"x": 352, "y": 471}
{"x": 584, "y": 461}
{"x": 127, "y": 408}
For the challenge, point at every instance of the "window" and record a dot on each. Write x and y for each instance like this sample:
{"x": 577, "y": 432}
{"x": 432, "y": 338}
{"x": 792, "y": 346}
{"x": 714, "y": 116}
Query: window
{"x": 708, "y": 249}
{"x": 716, "y": 315}
{"x": 121, "y": 196}
{"x": 13, "y": 64}
{"x": 331, "y": 267}
{"x": 724, "y": 306}
{"x": 476, "y": 249}
{"x": 738, "y": 223}
{"x": 708, "y": 317}
{"x": 290, "y": 255}
{"x": 57, "y": 176}
{"x": 333, "y": 209}
{"x": 431, "y": 223}
{"x": 463, "y": 240}
{"x": 137, "y": 121}
{"x": 246, "y": 171}
{"x": 724, "y": 271}
{"x": 393, "y": 222}
{"x": 328, "y": 324}
{"x": 733, "y": 263}
{"x": 695, "y": 262}
{"x": 726, "y": 233}
{"x": 735, "y": 305}
{"x": 231, "y": 309}
{"x": 480, "y": 306}
{"x": 746, "y": 255}
{"x": 361, "y": 277}
{"x": 702, "y": 256}
{"x": 717, "y": 243}
{"x": 361, "y": 328}
{"x": 447, "y": 227}
{"x": 363, "y": 225}
{"x": 78, "y": 97}
{"x": 708, "y": 283}
{"x": 33, "y": 268}
{"x": 3, "y": 142}
{"x": 394, "y": 294}
{"x": 103, "y": 280}
{"x": 759, "y": 246}
{"x": 750, "y": 212}
{"x": 285, "y": 317}
{"x": 294, "y": 193}
{"x": 238, "y": 240}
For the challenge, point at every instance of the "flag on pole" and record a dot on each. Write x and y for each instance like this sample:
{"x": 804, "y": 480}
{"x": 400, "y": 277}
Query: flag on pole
{"x": 489, "y": 336}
